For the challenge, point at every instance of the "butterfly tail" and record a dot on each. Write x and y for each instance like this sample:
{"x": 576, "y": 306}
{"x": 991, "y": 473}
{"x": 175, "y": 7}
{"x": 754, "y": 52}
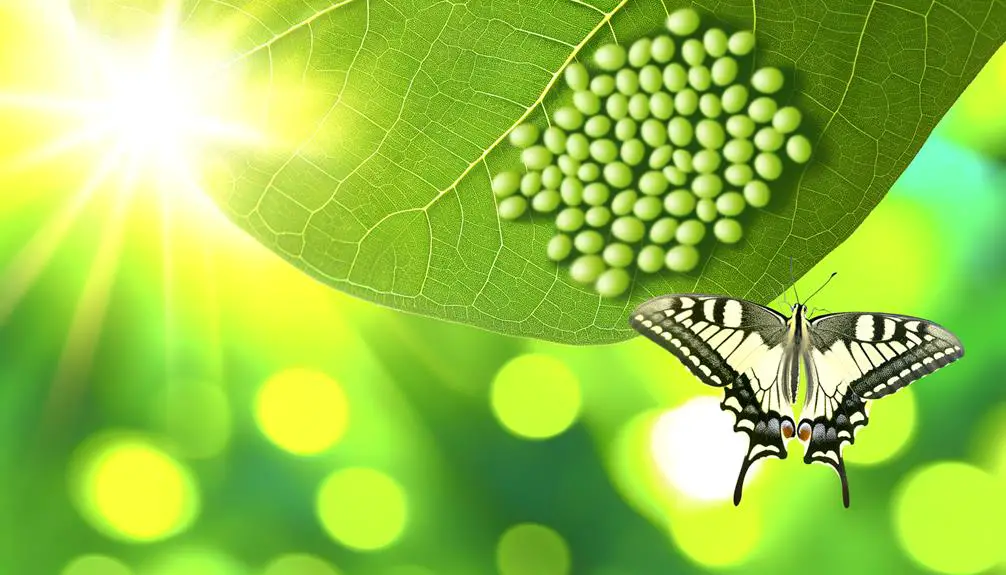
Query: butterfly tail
{"x": 739, "y": 488}
{"x": 845, "y": 482}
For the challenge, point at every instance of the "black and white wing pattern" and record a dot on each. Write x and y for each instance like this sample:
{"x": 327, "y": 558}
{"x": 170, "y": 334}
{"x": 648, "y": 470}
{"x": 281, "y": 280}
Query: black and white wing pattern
{"x": 735, "y": 344}
{"x": 854, "y": 357}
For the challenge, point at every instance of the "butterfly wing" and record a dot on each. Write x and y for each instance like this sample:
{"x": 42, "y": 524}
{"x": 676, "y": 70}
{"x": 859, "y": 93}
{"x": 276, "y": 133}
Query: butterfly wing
{"x": 854, "y": 357}
{"x": 735, "y": 344}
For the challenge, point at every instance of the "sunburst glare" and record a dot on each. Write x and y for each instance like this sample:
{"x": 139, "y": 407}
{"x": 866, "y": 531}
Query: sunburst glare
{"x": 163, "y": 109}
{"x": 154, "y": 114}
{"x": 161, "y": 99}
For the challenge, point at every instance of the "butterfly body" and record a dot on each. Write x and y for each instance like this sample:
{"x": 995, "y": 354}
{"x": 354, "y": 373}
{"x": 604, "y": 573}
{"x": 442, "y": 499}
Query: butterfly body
{"x": 755, "y": 353}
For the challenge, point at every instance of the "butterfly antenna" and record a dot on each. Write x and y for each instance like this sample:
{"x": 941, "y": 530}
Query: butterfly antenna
{"x": 833, "y": 274}
{"x": 792, "y": 280}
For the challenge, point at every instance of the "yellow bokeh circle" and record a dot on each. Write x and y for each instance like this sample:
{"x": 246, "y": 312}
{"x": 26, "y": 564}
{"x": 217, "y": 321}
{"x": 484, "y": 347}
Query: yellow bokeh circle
{"x": 195, "y": 561}
{"x": 989, "y": 441}
{"x": 299, "y": 564}
{"x": 536, "y": 396}
{"x": 362, "y": 508}
{"x": 129, "y": 489}
{"x": 302, "y": 411}
{"x": 949, "y": 518}
{"x": 95, "y": 565}
{"x": 892, "y": 424}
{"x": 698, "y": 531}
{"x": 645, "y": 465}
{"x": 532, "y": 549}
{"x": 900, "y": 276}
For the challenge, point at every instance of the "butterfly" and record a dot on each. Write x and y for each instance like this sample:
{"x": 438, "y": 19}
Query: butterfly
{"x": 754, "y": 353}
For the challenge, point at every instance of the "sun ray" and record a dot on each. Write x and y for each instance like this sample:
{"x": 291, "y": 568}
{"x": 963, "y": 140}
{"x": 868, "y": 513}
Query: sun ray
{"x": 88, "y": 319}
{"x": 168, "y": 273}
{"x": 51, "y": 150}
{"x": 25, "y": 267}
{"x": 196, "y": 204}
{"x": 47, "y": 103}
{"x": 164, "y": 111}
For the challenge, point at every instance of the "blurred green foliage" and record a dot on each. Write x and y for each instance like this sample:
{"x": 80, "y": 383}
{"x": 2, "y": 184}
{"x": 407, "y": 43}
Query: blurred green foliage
{"x": 176, "y": 400}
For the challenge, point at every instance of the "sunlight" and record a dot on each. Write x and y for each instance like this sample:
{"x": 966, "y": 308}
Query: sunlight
{"x": 151, "y": 112}
{"x": 166, "y": 101}
{"x": 149, "y": 108}
{"x": 163, "y": 107}
{"x": 152, "y": 117}
{"x": 162, "y": 111}
{"x": 89, "y": 316}
{"x": 24, "y": 268}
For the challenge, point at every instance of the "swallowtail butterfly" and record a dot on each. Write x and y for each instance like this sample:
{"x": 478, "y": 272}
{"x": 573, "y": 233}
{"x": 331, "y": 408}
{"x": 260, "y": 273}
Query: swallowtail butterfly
{"x": 754, "y": 354}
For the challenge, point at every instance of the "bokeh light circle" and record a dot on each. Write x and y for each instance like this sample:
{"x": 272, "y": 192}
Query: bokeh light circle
{"x": 536, "y": 396}
{"x": 695, "y": 525}
{"x": 697, "y": 456}
{"x": 990, "y": 441}
{"x": 948, "y": 518}
{"x": 302, "y": 411}
{"x": 700, "y": 532}
{"x": 96, "y": 565}
{"x": 901, "y": 276}
{"x": 633, "y": 469}
{"x": 195, "y": 561}
{"x": 362, "y": 508}
{"x": 129, "y": 489}
{"x": 532, "y": 549}
{"x": 697, "y": 450}
{"x": 892, "y": 425}
{"x": 299, "y": 564}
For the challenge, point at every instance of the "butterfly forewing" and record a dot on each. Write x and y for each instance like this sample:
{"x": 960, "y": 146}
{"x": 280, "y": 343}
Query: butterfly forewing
{"x": 877, "y": 354}
{"x": 711, "y": 335}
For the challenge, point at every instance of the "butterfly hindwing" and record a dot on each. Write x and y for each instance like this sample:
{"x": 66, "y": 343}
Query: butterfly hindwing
{"x": 734, "y": 344}
{"x": 830, "y": 431}
{"x": 763, "y": 427}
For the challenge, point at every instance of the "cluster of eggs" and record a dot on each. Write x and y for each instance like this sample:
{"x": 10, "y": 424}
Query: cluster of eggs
{"x": 658, "y": 143}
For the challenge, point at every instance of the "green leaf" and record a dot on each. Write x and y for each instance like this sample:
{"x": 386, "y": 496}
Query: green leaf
{"x": 387, "y": 196}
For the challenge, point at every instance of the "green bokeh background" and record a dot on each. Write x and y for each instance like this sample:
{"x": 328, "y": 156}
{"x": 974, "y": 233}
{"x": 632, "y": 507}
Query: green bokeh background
{"x": 174, "y": 399}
